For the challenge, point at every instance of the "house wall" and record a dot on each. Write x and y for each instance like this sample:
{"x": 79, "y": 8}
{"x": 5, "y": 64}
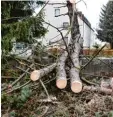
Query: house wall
{"x": 87, "y": 36}
{"x": 85, "y": 29}
{"x": 56, "y": 21}
{"x": 93, "y": 38}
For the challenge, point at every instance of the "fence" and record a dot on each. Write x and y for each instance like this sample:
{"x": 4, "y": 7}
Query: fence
{"x": 103, "y": 53}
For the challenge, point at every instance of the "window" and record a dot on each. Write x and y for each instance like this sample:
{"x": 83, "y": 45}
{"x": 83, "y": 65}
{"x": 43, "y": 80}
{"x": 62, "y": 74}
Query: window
{"x": 57, "y": 12}
{"x": 65, "y": 25}
{"x": 20, "y": 46}
{"x": 66, "y": 39}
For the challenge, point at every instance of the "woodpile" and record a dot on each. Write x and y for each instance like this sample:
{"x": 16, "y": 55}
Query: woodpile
{"x": 70, "y": 58}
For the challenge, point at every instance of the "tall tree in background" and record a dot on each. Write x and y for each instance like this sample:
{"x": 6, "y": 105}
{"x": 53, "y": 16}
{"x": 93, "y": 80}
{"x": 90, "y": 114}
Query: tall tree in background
{"x": 18, "y": 22}
{"x": 105, "y": 33}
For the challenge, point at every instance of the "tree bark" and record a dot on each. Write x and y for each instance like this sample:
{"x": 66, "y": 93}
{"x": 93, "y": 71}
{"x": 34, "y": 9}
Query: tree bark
{"x": 107, "y": 84}
{"x": 35, "y": 75}
{"x": 98, "y": 89}
{"x": 75, "y": 47}
{"x": 111, "y": 83}
{"x": 76, "y": 84}
{"x": 61, "y": 81}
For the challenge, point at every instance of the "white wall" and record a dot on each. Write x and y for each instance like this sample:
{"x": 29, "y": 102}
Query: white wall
{"x": 56, "y": 21}
{"x": 85, "y": 30}
{"x": 93, "y": 39}
{"x": 87, "y": 36}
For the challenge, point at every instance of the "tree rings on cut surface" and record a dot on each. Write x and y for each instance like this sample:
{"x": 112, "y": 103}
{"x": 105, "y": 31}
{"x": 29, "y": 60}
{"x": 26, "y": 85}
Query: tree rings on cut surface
{"x": 35, "y": 75}
{"x": 76, "y": 87}
{"x": 61, "y": 83}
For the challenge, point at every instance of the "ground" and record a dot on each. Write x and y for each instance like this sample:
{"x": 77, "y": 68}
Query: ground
{"x": 29, "y": 101}
{"x": 68, "y": 104}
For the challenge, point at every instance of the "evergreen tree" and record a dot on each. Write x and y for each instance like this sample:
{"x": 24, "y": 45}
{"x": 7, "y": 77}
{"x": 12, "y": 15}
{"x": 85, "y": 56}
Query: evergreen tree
{"x": 18, "y": 22}
{"x": 105, "y": 33}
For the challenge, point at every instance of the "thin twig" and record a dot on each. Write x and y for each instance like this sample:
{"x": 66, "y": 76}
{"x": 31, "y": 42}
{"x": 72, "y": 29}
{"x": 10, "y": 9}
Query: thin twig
{"x": 88, "y": 82}
{"x": 62, "y": 39}
{"x": 93, "y": 57}
{"x": 44, "y": 112}
{"x": 8, "y": 77}
{"x": 18, "y": 87}
{"x": 23, "y": 70}
{"x": 61, "y": 15}
{"x": 44, "y": 88}
{"x": 105, "y": 63}
{"x": 19, "y": 78}
{"x": 43, "y": 7}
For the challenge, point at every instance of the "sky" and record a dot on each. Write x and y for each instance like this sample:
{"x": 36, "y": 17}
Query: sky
{"x": 92, "y": 10}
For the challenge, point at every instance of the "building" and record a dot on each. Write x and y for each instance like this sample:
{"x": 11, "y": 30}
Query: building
{"x": 55, "y": 14}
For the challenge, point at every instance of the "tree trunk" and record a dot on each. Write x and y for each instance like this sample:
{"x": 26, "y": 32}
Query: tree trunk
{"x": 35, "y": 75}
{"x": 61, "y": 81}
{"x": 107, "y": 84}
{"x": 74, "y": 46}
{"x": 98, "y": 89}
{"x": 76, "y": 84}
{"x": 111, "y": 83}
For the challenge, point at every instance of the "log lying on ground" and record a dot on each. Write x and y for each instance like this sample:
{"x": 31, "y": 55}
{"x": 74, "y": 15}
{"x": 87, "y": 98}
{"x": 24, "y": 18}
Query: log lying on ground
{"x": 111, "y": 83}
{"x": 35, "y": 75}
{"x": 107, "y": 84}
{"x": 98, "y": 89}
{"x": 61, "y": 81}
{"x": 76, "y": 84}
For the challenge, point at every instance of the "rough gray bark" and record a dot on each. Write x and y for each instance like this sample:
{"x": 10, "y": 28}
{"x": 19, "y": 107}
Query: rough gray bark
{"x": 74, "y": 50}
{"x": 76, "y": 84}
{"x": 61, "y": 81}
{"x": 74, "y": 46}
{"x": 98, "y": 89}
{"x": 35, "y": 75}
{"x": 111, "y": 83}
{"x": 107, "y": 83}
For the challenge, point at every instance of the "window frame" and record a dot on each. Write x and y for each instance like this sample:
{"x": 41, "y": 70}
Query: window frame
{"x": 57, "y": 10}
{"x": 65, "y": 26}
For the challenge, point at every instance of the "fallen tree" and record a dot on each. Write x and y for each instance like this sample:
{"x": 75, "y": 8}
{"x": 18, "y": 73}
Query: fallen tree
{"x": 36, "y": 74}
{"x": 61, "y": 81}
{"x": 76, "y": 84}
{"x": 71, "y": 54}
{"x": 98, "y": 89}
{"x": 107, "y": 84}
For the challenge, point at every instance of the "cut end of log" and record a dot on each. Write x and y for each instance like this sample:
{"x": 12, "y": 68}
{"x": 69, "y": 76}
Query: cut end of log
{"x": 61, "y": 83}
{"x": 106, "y": 91}
{"x": 35, "y": 75}
{"x": 111, "y": 83}
{"x": 76, "y": 87}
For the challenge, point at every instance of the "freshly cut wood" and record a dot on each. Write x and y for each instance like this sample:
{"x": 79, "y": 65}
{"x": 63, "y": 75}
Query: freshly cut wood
{"x": 61, "y": 81}
{"x": 35, "y": 75}
{"x": 107, "y": 84}
{"x": 74, "y": 46}
{"x": 111, "y": 83}
{"x": 76, "y": 84}
{"x": 98, "y": 89}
